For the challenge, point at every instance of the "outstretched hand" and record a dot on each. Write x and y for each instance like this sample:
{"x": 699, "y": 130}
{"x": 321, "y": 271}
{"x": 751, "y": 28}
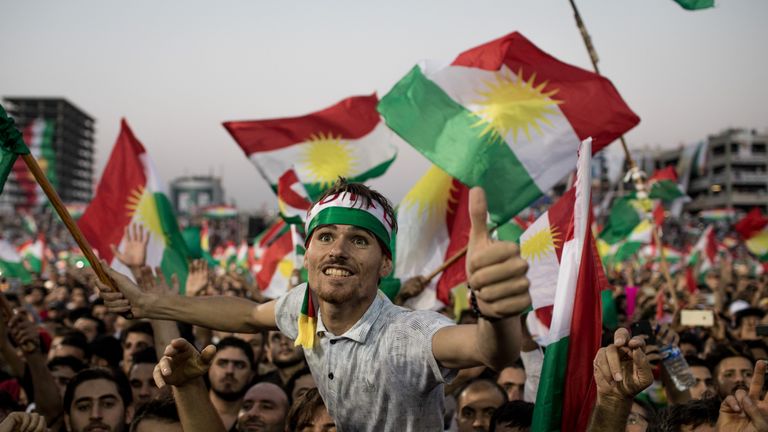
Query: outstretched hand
{"x": 156, "y": 283}
{"x": 495, "y": 270}
{"x": 135, "y": 243}
{"x": 197, "y": 279}
{"x": 24, "y": 332}
{"x": 621, "y": 370}
{"x": 181, "y": 363}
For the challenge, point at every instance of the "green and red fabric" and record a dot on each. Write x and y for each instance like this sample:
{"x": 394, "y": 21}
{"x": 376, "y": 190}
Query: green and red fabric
{"x": 12, "y": 264}
{"x": 433, "y": 225}
{"x": 130, "y": 192}
{"x": 292, "y": 198}
{"x": 31, "y": 252}
{"x": 347, "y": 139}
{"x": 753, "y": 228}
{"x": 505, "y": 116}
{"x": 221, "y": 211}
{"x": 38, "y": 135}
{"x": 626, "y": 214}
{"x": 704, "y": 253}
{"x": 695, "y": 4}
{"x": 11, "y": 146}
{"x": 664, "y": 186}
{"x": 718, "y": 214}
{"x": 567, "y": 392}
{"x": 277, "y": 264}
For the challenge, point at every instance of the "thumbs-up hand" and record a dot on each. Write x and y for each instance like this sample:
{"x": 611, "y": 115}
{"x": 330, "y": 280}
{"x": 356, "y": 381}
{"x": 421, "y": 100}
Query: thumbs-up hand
{"x": 495, "y": 270}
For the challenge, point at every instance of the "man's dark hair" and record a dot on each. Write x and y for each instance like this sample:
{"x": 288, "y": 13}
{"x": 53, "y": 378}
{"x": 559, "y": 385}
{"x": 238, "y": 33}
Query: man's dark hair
{"x": 73, "y": 363}
{"x": 696, "y": 361}
{"x": 137, "y": 327}
{"x": 368, "y": 195}
{"x": 726, "y": 350}
{"x": 512, "y": 414}
{"x": 77, "y": 339}
{"x": 162, "y": 410}
{"x": 291, "y": 384}
{"x": 112, "y": 375}
{"x": 303, "y": 409}
{"x": 691, "y": 338}
{"x": 108, "y": 348}
{"x": 483, "y": 381}
{"x": 693, "y": 413}
{"x": 147, "y": 355}
{"x": 85, "y": 313}
{"x": 235, "y": 342}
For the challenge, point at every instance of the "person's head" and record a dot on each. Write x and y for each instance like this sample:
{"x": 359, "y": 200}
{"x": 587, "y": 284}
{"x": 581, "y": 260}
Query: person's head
{"x": 140, "y": 378}
{"x": 96, "y": 398}
{"x": 513, "y": 416}
{"x": 231, "y": 370}
{"x": 476, "y": 403}
{"x": 90, "y": 326}
{"x": 512, "y": 380}
{"x": 308, "y": 414}
{"x": 705, "y": 383}
{"x": 264, "y": 408}
{"x": 258, "y": 342}
{"x": 690, "y": 344}
{"x": 299, "y": 383}
{"x": 349, "y": 231}
{"x": 640, "y": 415}
{"x": 78, "y": 297}
{"x": 732, "y": 368}
{"x": 746, "y": 321}
{"x": 35, "y": 294}
{"x": 135, "y": 338}
{"x": 63, "y": 369}
{"x": 282, "y": 352}
{"x": 157, "y": 415}
{"x": 106, "y": 351}
{"x": 692, "y": 416}
{"x": 69, "y": 343}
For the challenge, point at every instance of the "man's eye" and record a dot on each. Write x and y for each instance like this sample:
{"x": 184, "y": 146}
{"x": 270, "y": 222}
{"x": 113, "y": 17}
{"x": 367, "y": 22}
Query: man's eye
{"x": 324, "y": 237}
{"x": 360, "y": 241}
{"x": 83, "y": 407}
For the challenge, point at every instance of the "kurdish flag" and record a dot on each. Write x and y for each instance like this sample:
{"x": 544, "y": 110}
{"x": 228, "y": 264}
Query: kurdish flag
{"x": 277, "y": 264}
{"x": 32, "y": 254}
{"x": 11, "y": 146}
{"x": 347, "y": 139}
{"x": 695, "y": 4}
{"x": 567, "y": 391}
{"x": 704, "y": 252}
{"x": 505, "y": 116}
{"x": 433, "y": 225}
{"x": 11, "y": 263}
{"x": 664, "y": 186}
{"x": 130, "y": 192}
{"x": 626, "y": 214}
{"x": 221, "y": 211}
{"x": 292, "y": 198}
{"x": 39, "y": 136}
{"x": 753, "y": 228}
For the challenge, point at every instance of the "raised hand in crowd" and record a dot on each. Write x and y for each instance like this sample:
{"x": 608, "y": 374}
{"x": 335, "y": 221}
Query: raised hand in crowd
{"x": 746, "y": 411}
{"x": 150, "y": 282}
{"x": 8, "y": 352}
{"x": 621, "y": 371}
{"x": 197, "y": 279}
{"x": 23, "y": 422}
{"x": 411, "y": 288}
{"x": 134, "y": 253}
{"x": 183, "y": 368}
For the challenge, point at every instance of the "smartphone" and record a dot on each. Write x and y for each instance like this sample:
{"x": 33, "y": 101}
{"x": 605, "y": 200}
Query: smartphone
{"x": 643, "y": 327}
{"x": 697, "y": 318}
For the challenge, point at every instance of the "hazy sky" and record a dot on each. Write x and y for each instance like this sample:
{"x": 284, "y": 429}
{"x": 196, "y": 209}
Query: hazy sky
{"x": 177, "y": 69}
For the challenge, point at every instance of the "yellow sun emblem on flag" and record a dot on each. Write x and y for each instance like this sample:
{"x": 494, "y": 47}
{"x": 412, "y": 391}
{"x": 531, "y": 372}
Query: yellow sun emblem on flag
{"x": 142, "y": 201}
{"x": 540, "y": 244}
{"x": 285, "y": 267}
{"x": 510, "y": 103}
{"x": 431, "y": 193}
{"x": 327, "y": 157}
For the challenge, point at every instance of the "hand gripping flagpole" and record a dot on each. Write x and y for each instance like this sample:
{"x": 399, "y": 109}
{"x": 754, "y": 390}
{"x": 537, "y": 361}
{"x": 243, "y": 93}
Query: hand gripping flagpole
{"x": 634, "y": 173}
{"x": 61, "y": 210}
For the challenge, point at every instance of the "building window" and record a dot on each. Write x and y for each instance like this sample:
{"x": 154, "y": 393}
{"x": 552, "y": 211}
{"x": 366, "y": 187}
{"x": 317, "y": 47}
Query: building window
{"x": 758, "y": 148}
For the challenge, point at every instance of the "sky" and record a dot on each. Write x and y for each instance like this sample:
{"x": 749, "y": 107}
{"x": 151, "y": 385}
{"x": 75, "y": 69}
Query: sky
{"x": 177, "y": 69}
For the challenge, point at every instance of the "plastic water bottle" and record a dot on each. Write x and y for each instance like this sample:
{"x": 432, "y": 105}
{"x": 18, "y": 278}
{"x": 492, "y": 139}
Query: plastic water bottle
{"x": 677, "y": 367}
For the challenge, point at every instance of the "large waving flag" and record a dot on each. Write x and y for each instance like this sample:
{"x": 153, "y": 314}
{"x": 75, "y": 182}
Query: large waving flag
{"x": 347, "y": 139}
{"x": 753, "y": 228}
{"x": 11, "y": 263}
{"x": 505, "y": 116}
{"x": 38, "y": 135}
{"x": 433, "y": 225}
{"x": 11, "y": 146}
{"x": 130, "y": 192}
{"x": 566, "y": 391}
{"x": 626, "y": 214}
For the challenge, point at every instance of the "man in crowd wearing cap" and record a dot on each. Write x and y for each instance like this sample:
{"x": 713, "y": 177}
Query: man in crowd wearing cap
{"x": 370, "y": 358}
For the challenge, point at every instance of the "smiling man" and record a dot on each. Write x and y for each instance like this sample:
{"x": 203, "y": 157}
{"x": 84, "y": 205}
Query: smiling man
{"x": 368, "y": 356}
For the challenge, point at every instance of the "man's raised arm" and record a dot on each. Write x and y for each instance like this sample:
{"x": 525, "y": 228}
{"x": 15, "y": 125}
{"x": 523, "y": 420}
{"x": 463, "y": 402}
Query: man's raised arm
{"x": 224, "y": 313}
{"x": 496, "y": 274}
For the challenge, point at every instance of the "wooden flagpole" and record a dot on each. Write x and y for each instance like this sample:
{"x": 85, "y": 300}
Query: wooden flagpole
{"x": 58, "y": 205}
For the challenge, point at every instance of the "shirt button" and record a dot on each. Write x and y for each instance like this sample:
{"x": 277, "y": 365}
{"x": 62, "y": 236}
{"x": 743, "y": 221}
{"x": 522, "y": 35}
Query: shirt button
{"x": 333, "y": 341}
{"x": 330, "y": 375}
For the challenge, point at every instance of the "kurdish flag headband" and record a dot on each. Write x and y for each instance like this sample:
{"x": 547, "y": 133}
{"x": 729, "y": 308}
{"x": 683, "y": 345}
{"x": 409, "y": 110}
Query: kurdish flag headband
{"x": 344, "y": 208}
{"x": 347, "y": 208}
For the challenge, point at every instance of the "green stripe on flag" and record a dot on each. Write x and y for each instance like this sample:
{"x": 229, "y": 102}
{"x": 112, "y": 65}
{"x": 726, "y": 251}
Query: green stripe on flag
{"x": 548, "y": 410}
{"x": 446, "y": 133}
{"x": 695, "y": 4}
{"x": 11, "y": 145}
{"x": 175, "y": 253}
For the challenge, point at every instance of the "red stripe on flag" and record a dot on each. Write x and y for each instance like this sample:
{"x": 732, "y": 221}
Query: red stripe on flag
{"x": 352, "y": 118}
{"x": 560, "y": 216}
{"x": 668, "y": 173}
{"x": 545, "y": 315}
{"x": 271, "y": 259}
{"x": 590, "y": 102}
{"x": 287, "y": 194}
{"x": 458, "y": 223}
{"x": 107, "y": 216}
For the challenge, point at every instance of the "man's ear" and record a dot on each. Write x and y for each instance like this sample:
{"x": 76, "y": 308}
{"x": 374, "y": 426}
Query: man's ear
{"x": 386, "y": 267}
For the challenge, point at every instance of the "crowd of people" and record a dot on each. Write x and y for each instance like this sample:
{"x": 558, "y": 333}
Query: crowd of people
{"x": 78, "y": 357}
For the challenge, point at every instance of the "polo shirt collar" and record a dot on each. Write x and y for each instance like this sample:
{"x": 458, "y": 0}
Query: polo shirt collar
{"x": 359, "y": 331}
